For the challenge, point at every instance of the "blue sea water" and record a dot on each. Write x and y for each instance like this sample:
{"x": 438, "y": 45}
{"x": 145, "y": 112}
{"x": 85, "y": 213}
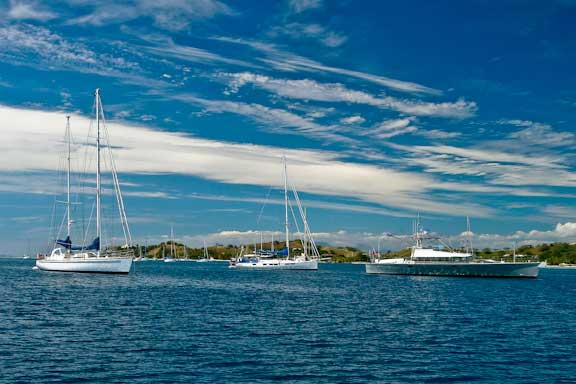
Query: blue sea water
{"x": 205, "y": 323}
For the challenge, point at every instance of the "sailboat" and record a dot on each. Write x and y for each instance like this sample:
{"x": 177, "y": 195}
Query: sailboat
{"x": 171, "y": 258}
{"x": 205, "y": 257}
{"x": 427, "y": 261}
{"x": 93, "y": 258}
{"x": 284, "y": 259}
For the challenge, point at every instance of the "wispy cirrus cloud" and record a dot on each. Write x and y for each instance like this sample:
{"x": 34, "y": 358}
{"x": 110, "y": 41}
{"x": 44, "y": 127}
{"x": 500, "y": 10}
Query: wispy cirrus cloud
{"x": 308, "y": 89}
{"x": 313, "y": 31}
{"x": 534, "y": 133}
{"x": 287, "y": 61}
{"x": 391, "y": 128}
{"x": 53, "y": 51}
{"x": 165, "y": 47}
{"x": 173, "y": 15}
{"x": 319, "y": 172}
{"x": 299, "y": 6}
{"x": 274, "y": 119}
{"x": 28, "y": 10}
{"x": 494, "y": 166}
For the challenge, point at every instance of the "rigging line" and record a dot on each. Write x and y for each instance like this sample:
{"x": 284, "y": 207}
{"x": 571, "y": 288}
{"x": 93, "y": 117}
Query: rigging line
{"x": 263, "y": 206}
{"x": 52, "y": 220}
{"x": 306, "y": 224}
{"x": 305, "y": 220}
{"x": 300, "y": 234}
{"x": 89, "y": 223}
{"x": 120, "y": 200}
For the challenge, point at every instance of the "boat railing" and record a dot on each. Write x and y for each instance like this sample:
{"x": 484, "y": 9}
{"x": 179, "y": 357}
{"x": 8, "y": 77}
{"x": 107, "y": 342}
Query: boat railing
{"x": 118, "y": 253}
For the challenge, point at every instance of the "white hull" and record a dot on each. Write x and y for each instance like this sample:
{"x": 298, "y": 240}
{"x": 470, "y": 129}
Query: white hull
{"x": 87, "y": 265}
{"x": 455, "y": 269}
{"x": 278, "y": 264}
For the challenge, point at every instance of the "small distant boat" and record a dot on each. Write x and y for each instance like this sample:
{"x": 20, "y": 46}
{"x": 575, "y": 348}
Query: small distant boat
{"x": 171, "y": 259}
{"x": 92, "y": 258}
{"x": 428, "y": 261}
{"x": 284, "y": 259}
{"x": 205, "y": 257}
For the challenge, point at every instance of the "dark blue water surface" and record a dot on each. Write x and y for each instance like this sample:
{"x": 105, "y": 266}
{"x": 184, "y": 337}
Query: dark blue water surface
{"x": 202, "y": 322}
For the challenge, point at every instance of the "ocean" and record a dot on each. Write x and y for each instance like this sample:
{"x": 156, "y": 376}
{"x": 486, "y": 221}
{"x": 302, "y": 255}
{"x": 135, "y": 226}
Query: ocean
{"x": 190, "y": 322}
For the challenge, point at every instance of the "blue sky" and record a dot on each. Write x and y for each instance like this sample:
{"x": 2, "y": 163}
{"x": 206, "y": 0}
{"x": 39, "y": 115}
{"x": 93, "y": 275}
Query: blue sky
{"x": 383, "y": 110}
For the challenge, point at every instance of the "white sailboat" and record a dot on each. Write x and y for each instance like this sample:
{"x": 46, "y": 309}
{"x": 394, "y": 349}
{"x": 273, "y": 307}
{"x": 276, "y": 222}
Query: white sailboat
{"x": 93, "y": 258}
{"x": 171, "y": 259}
{"x": 205, "y": 257}
{"x": 284, "y": 259}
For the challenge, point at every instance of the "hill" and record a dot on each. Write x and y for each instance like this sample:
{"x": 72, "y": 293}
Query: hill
{"x": 554, "y": 253}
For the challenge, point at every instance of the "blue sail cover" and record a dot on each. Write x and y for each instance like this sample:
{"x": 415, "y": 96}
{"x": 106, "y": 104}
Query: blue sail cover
{"x": 65, "y": 243}
{"x": 68, "y": 245}
{"x": 282, "y": 252}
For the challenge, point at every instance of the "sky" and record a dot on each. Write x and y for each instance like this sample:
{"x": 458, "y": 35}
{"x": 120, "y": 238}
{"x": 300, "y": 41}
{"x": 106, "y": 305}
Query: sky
{"x": 383, "y": 110}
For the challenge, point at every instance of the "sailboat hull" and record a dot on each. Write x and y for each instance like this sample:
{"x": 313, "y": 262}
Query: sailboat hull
{"x": 278, "y": 264}
{"x": 526, "y": 270}
{"x": 112, "y": 265}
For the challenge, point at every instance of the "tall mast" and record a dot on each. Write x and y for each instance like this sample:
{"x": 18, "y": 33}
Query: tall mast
{"x": 286, "y": 208}
{"x": 98, "y": 187}
{"x": 68, "y": 222}
{"x": 469, "y": 236}
{"x": 172, "y": 238}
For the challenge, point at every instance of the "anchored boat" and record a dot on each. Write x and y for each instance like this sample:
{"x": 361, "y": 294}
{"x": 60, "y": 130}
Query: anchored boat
{"x": 432, "y": 262}
{"x": 93, "y": 258}
{"x": 284, "y": 259}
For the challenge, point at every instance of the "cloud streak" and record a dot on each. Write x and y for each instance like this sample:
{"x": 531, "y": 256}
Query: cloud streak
{"x": 287, "y": 61}
{"x": 319, "y": 172}
{"x": 307, "y": 89}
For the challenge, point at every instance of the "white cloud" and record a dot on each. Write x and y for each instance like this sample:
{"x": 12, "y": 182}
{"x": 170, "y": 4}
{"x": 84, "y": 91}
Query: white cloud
{"x": 496, "y": 166}
{"x": 287, "y": 61}
{"x": 275, "y": 120}
{"x": 29, "y": 146}
{"x": 18, "y": 43}
{"x": 171, "y": 15}
{"x": 540, "y": 134}
{"x": 28, "y": 10}
{"x": 307, "y": 89}
{"x": 391, "y": 128}
{"x": 561, "y": 211}
{"x": 299, "y": 6}
{"x": 438, "y": 134}
{"x": 340, "y": 238}
{"x": 311, "y": 31}
{"x": 356, "y": 119}
{"x": 562, "y": 232}
{"x": 166, "y": 47}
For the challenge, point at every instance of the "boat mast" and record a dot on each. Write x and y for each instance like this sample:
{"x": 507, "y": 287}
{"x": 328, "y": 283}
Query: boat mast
{"x": 172, "y": 238}
{"x": 286, "y": 208}
{"x": 69, "y": 223}
{"x": 469, "y": 235}
{"x": 98, "y": 187}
